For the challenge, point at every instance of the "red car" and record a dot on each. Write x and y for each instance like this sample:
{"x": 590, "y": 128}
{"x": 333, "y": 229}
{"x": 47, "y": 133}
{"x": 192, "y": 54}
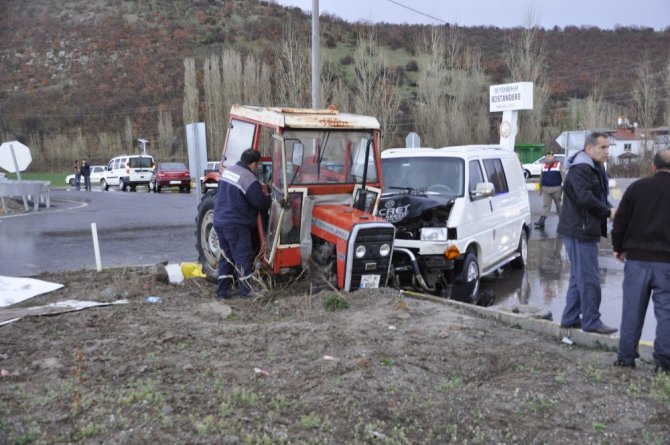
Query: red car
{"x": 171, "y": 174}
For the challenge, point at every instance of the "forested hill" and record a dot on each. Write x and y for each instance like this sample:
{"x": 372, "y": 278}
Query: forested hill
{"x": 78, "y": 64}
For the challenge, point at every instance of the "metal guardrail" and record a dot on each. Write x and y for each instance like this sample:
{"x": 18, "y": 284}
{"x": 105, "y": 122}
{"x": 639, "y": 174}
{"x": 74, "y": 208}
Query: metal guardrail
{"x": 40, "y": 191}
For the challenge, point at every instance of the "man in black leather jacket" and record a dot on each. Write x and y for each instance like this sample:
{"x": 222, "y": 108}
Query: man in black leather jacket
{"x": 583, "y": 221}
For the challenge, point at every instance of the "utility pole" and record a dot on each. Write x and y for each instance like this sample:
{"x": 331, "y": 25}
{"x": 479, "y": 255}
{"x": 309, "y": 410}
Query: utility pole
{"x": 316, "y": 62}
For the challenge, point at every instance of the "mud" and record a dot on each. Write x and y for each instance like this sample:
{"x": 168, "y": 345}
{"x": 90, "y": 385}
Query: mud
{"x": 371, "y": 366}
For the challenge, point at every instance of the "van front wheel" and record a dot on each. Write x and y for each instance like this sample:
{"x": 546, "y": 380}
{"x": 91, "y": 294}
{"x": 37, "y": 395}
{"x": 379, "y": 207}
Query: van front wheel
{"x": 466, "y": 287}
{"x": 521, "y": 261}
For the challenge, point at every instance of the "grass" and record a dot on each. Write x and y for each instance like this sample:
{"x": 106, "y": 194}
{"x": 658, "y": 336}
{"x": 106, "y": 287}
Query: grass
{"x": 660, "y": 387}
{"x": 57, "y": 179}
{"x": 334, "y": 303}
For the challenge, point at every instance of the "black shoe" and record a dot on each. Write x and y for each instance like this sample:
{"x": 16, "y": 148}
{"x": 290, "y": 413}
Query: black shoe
{"x": 621, "y": 364}
{"x": 604, "y": 330}
{"x": 661, "y": 370}
{"x": 576, "y": 325}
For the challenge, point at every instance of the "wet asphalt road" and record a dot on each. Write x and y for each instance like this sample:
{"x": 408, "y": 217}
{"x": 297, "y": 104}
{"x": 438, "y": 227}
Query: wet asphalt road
{"x": 143, "y": 228}
{"x": 134, "y": 228}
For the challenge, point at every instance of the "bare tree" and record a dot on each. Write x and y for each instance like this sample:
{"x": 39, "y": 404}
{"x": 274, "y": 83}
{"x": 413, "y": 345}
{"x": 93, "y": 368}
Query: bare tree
{"x": 376, "y": 89}
{"x": 293, "y": 71}
{"x": 525, "y": 58}
{"x": 666, "y": 87}
{"x": 645, "y": 94}
{"x": 468, "y": 113}
{"x": 128, "y": 139}
{"x": 166, "y": 137}
{"x": 256, "y": 81}
{"x": 190, "y": 107}
{"x": 596, "y": 113}
{"x": 215, "y": 121}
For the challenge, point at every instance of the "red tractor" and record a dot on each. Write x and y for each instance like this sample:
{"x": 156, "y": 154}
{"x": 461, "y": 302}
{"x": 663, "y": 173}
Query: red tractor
{"x": 322, "y": 168}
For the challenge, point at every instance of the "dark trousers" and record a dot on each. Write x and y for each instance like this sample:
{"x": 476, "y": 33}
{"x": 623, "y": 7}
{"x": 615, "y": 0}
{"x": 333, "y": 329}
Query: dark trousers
{"x": 237, "y": 257}
{"x": 583, "y": 296}
{"x": 644, "y": 280}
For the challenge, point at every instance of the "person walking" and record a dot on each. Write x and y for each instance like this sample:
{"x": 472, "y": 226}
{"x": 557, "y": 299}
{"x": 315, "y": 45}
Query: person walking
{"x": 640, "y": 238}
{"x": 551, "y": 179}
{"x": 239, "y": 199}
{"x": 77, "y": 174}
{"x": 583, "y": 220}
{"x": 86, "y": 174}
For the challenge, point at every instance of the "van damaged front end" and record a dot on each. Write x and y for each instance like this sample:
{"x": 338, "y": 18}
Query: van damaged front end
{"x": 423, "y": 258}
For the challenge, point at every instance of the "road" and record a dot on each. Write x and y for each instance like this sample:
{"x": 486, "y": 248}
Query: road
{"x": 143, "y": 228}
{"x": 134, "y": 228}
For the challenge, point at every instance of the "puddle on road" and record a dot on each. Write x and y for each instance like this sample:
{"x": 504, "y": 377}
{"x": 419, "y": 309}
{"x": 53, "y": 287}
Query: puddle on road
{"x": 544, "y": 282}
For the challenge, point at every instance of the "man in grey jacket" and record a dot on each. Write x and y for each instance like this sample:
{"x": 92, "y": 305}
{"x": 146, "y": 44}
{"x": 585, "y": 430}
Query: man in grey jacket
{"x": 583, "y": 221}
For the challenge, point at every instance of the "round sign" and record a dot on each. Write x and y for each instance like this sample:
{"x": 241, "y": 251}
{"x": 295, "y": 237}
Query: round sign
{"x": 504, "y": 129}
{"x": 14, "y": 150}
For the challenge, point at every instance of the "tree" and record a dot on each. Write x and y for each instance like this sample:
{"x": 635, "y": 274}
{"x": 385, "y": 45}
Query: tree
{"x": 525, "y": 59}
{"x": 376, "y": 91}
{"x": 645, "y": 94}
{"x": 190, "y": 107}
{"x": 166, "y": 137}
{"x": 430, "y": 107}
{"x": 215, "y": 121}
{"x": 293, "y": 71}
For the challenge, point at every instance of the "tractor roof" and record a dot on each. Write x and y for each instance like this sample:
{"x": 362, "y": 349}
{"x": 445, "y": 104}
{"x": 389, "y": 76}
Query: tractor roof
{"x": 305, "y": 118}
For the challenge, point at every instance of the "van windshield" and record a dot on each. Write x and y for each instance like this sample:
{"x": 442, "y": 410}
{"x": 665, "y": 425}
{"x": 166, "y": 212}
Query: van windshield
{"x": 425, "y": 175}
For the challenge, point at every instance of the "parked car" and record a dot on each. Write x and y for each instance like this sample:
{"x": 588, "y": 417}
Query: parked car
{"x": 96, "y": 174}
{"x": 128, "y": 172}
{"x": 171, "y": 174}
{"x": 212, "y": 167}
{"x": 460, "y": 213}
{"x": 535, "y": 168}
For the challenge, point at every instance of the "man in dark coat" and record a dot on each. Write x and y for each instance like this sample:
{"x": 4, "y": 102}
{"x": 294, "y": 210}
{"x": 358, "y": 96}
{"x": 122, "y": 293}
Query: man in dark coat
{"x": 582, "y": 222}
{"x": 641, "y": 238}
{"x": 238, "y": 200}
{"x": 86, "y": 174}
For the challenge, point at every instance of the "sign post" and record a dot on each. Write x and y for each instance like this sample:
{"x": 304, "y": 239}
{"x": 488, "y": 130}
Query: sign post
{"x": 510, "y": 98}
{"x": 196, "y": 140}
{"x": 15, "y": 158}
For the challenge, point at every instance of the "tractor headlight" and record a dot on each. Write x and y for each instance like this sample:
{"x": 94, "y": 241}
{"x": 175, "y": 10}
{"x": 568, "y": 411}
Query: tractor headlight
{"x": 384, "y": 250}
{"x": 434, "y": 234}
{"x": 360, "y": 251}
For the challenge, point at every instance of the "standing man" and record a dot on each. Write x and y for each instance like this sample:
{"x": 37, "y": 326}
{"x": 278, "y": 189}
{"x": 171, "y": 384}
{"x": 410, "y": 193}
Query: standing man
{"x": 238, "y": 200}
{"x": 641, "y": 238}
{"x": 582, "y": 222}
{"x": 77, "y": 174}
{"x": 551, "y": 178}
{"x": 86, "y": 174}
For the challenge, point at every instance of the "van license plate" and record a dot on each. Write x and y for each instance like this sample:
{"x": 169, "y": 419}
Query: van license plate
{"x": 369, "y": 281}
{"x": 175, "y": 182}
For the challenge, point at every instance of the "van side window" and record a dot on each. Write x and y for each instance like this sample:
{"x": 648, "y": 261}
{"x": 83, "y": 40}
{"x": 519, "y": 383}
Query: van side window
{"x": 496, "y": 175}
{"x": 475, "y": 175}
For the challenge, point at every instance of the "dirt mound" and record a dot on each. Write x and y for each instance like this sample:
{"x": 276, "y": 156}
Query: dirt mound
{"x": 371, "y": 366}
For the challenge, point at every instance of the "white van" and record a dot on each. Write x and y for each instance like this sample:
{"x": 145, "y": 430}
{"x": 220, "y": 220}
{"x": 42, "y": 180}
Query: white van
{"x": 460, "y": 213}
{"x": 128, "y": 171}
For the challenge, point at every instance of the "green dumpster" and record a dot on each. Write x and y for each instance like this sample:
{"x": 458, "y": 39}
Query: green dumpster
{"x": 529, "y": 152}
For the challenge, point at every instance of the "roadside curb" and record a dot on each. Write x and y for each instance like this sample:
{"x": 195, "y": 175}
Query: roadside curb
{"x": 524, "y": 321}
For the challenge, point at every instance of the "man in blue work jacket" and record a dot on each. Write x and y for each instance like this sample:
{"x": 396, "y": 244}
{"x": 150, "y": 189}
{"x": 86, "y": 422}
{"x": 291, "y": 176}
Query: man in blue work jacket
{"x": 238, "y": 200}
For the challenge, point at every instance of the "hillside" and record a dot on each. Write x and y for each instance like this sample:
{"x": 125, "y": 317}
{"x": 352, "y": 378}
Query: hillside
{"x": 81, "y": 66}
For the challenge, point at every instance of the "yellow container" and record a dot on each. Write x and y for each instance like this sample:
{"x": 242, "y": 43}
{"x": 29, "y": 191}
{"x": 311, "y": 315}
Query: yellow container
{"x": 192, "y": 270}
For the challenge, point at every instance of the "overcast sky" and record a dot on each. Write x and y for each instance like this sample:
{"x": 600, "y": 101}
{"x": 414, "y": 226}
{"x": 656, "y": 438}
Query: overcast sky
{"x": 605, "y": 14}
